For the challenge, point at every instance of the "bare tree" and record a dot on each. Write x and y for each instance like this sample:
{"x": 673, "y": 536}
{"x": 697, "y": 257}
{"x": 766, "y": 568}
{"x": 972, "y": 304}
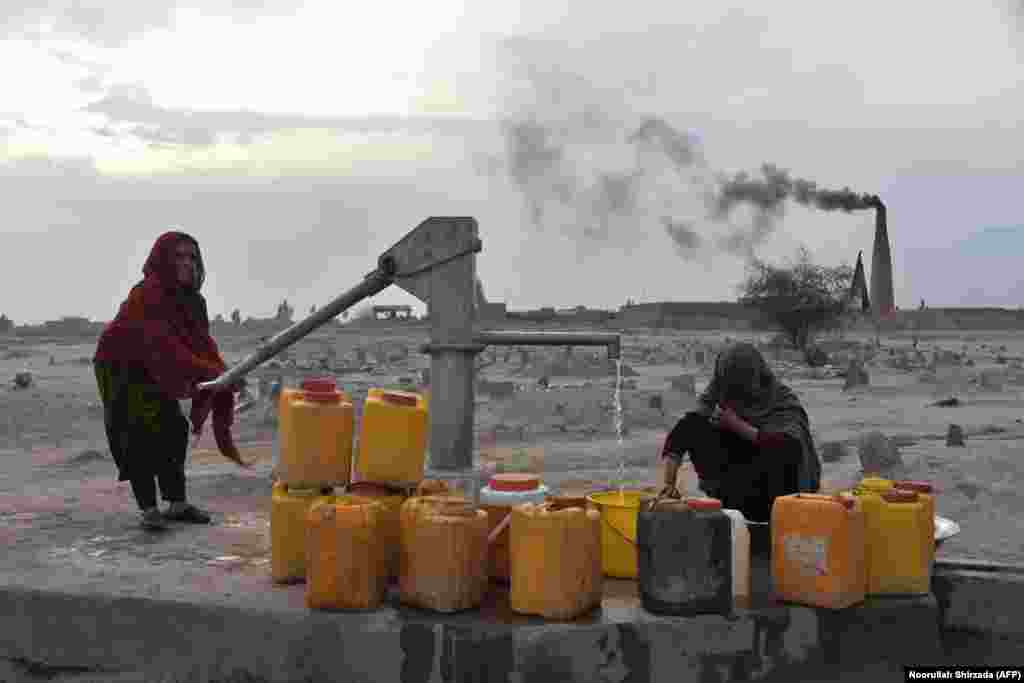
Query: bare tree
{"x": 802, "y": 299}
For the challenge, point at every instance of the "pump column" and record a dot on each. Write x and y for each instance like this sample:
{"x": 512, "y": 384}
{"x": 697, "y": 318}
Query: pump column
{"x": 452, "y": 369}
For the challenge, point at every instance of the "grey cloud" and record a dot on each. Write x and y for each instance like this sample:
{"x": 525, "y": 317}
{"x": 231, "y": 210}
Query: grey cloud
{"x": 72, "y": 59}
{"x": 67, "y": 170}
{"x": 94, "y": 80}
{"x": 194, "y": 137}
{"x": 16, "y": 121}
{"x": 133, "y": 104}
{"x": 107, "y": 23}
{"x": 264, "y": 238}
{"x": 92, "y": 83}
{"x": 70, "y": 194}
{"x": 95, "y": 20}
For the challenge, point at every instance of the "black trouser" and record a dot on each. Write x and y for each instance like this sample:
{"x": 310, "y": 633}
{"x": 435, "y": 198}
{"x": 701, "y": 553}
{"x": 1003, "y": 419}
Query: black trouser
{"x": 743, "y": 476}
{"x": 161, "y": 460}
{"x": 147, "y": 433}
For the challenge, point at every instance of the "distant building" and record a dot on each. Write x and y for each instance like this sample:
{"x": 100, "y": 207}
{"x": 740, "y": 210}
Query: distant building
{"x": 392, "y": 312}
{"x": 537, "y": 315}
{"x": 692, "y": 315}
{"x": 285, "y": 313}
{"x": 68, "y": 326}
{"x": 582, "y": 314}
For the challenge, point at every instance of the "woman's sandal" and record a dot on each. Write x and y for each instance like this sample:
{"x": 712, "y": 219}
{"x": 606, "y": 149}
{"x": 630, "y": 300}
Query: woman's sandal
{"x": 190, "y": 514}
{"x": 153, "y": 521}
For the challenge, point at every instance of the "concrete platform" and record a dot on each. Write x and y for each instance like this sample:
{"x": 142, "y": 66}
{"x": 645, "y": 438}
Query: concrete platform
{"x": 85, "y": 595}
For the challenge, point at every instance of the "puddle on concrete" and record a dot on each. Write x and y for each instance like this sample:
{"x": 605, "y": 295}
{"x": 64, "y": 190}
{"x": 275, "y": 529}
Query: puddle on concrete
{"x": 14, "y": 505}
{"x": 48, "y": 456}
{"x": 245, "y": 542}
{"x": 245, "y": 520}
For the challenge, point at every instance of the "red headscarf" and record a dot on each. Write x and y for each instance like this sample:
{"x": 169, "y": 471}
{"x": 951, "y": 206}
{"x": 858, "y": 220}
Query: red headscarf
{"x": 163, "y": 327}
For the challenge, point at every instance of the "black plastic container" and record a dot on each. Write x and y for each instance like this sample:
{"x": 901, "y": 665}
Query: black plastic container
{"x": 685, "y": 557}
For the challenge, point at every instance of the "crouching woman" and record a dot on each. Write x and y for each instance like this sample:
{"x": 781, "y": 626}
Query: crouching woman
{"x": 749, "y": 439}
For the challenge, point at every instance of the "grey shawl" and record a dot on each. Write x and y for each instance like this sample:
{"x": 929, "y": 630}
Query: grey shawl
{"x": 744, "y": 379}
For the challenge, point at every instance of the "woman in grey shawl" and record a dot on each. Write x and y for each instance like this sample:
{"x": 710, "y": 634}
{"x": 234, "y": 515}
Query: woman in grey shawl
{"x": 749, "y": 438}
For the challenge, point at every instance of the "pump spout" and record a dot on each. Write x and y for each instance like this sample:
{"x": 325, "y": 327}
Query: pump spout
{"x": 607, "y": 339}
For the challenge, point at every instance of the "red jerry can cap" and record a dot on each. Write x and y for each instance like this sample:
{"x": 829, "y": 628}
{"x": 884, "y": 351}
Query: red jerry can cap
{"x": 918, "y": 486}
{"x": 319, "y": 384}
{"x": 320, "y": 389}
{"x": 400, "y": 397}
{"x": 704, "y": 504}
{"x": 900, "y": 496}
{"x": 847, "y": 501}
{"x": 515, "y": 482}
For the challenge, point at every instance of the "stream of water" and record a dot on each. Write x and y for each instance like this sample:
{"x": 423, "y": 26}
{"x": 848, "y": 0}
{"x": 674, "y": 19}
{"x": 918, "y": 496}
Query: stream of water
{"x": 618, "y": 427}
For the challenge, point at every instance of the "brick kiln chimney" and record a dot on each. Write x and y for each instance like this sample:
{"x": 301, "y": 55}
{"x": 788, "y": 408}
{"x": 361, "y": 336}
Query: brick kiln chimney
{"x": 881, "y": 292}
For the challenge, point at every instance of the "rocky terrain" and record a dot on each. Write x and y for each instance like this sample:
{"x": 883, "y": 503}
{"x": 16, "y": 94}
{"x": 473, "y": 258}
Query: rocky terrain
{"x": 553, "y": 410}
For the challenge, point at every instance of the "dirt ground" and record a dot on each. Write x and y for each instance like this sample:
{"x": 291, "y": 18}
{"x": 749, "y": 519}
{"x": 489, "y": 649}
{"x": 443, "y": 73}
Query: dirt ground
{"x": 53, "y": 430}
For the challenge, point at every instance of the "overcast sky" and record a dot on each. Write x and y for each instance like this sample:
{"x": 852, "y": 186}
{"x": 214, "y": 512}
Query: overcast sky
{"x": 586, "y": 138}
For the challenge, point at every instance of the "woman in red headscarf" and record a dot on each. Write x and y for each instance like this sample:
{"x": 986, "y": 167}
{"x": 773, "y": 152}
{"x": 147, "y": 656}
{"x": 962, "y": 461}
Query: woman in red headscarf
{"x": 153, "y": 354}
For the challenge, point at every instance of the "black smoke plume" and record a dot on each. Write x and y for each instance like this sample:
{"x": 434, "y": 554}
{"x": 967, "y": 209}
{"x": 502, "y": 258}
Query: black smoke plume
{"x": 768, "y": 193}
{"x": 557, "y": 145}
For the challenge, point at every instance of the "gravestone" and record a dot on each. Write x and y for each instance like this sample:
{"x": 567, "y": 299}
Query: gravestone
{"x": 833, "y": 451}
{"x": 498, "y": 390}
{"x": 955, "y": 436}
{"x": 687, "y": 384}
{"x": 856, "y": 375}
{"x": 816, "y": 357}
{"x": 992, "y": 380}
{"x": 878, "y": 454}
